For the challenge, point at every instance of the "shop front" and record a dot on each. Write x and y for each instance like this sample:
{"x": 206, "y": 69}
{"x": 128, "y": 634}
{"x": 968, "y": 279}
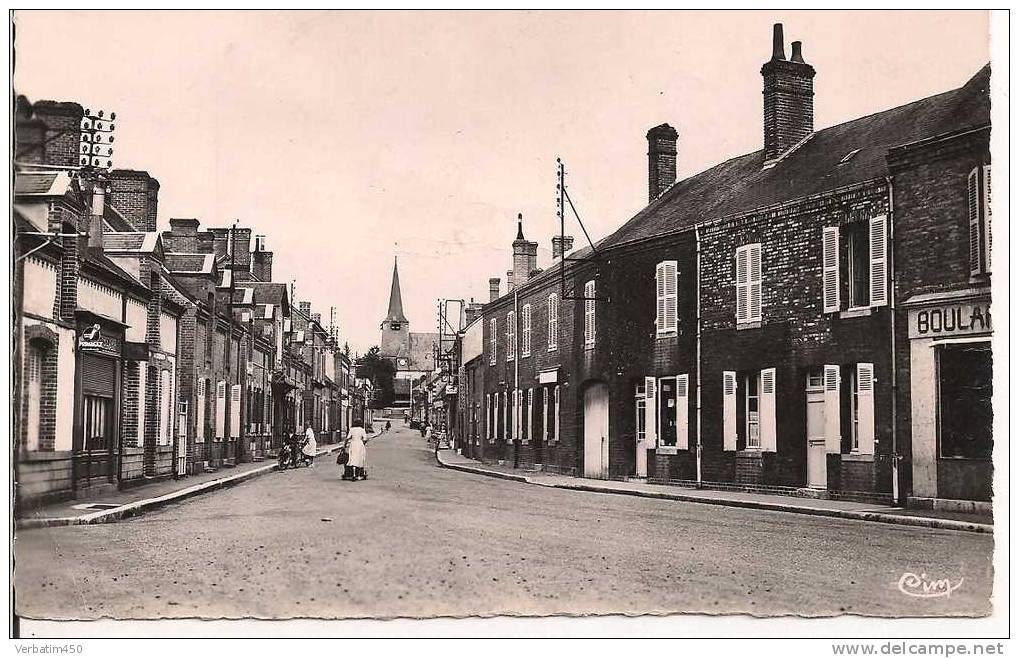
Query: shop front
{"x": 100, "y": 342}
{"x": 950, "y": 391}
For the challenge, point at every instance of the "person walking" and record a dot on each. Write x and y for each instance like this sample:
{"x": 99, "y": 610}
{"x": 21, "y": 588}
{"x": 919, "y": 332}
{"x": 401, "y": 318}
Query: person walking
{"x": 357, "y": 455}
{"x": 310, "y": 446}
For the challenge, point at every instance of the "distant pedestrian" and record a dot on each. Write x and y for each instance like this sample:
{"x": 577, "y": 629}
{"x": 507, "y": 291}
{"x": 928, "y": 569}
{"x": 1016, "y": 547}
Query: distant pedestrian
{"x": 388, "y": 425}
{"x": 357, "y": 456}
{"x": 310, "y": 445}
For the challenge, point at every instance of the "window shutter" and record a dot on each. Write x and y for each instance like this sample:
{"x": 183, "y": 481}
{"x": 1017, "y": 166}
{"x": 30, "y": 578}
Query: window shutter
{"x": 589, "y": 316}
{"x": 671, "y": 295}
{"x": 832, "y": 409}
{"x": 660, "y": 298}
{"x": 973, "y": 189}
{"x": 220, "y": 408}
{"x": 556, "y": 418}
{"x": 830, "y": 268}
{"x": 742, "y": 285}
{"x": 987, "y": 218}
{"x": 650, "y": 414}
{"x": 530, "y": 415}
{"x": 544, "y": 413}
{"x": 526, "y": 318}
{"x": 200, "y": 412}
{"x": 729, "y": 410}
{"x": 865, "y": 407}
{"x": 768, "y": 430}
{"x": 755, "y": 282}
{"x": 553, "y": 321}
{"x": 879, "y": 261}
{"x": 493, "y": 341}
{"x": 682, "y": 411}
{"x": 235, "y": 411}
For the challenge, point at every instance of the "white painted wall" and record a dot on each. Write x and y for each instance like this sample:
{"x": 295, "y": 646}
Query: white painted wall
{"x": 136, "y": 320}
{"x": 923, "y": 389}
{"x": 65, "y": 389}
{"x": 472, "y": 341}
{"x": 168, "y": 333}
{"x": 40, "y": 287}
{"x": 99, "y": 299}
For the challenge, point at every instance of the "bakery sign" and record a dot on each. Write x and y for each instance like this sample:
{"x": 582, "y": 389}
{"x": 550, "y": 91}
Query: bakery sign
{"x": 92, "y": 339}
{"x": 950, "y": 320}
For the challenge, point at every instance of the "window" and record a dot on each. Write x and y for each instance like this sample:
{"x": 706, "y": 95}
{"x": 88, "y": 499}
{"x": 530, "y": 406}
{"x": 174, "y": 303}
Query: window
{"x": 979, "y": 211}
{"x": 859, "y": 264}
{"x": 667, "y": 285}
{"x": 511, "y": 337}
{"x": 493, "y": 341}
{"x": 555, "y": 415}
{"x": 96, "y": 422}
{"x": 964, "y": 400}
{"x": 544, "y": 413}
{"x": 752, "y": 400}
{"x": 33, "y": 384}
{"x": 667, "y": 412}
{"x": 553, "y": 322}
{"x": 589, "y": 308}
{"x": 506, "y": 427}
{"x": 525, "y": 319}
{"x": 529, "y": 417}
{"x": 866, "y": 266}
{"x": 165, "y": 408}
{"x": 640, "y": 423}
{"x": 748, "y": 283}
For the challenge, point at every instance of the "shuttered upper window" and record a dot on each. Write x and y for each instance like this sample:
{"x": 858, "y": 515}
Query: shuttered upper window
{"x": 666, "y": 287}
{"x": 525, "y": 331}
{"x": 493, "y": 341}
{"x": 511, "y": 336}
{"x": 866, "y": 267}
{"x": 979, "y": 211}
{"x": 589, "y": 316}
{"x": 748, "y": 283}
{"x": 553, "y": 322}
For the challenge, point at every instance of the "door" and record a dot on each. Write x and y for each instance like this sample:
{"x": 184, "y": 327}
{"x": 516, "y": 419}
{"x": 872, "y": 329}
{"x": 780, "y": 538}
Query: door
{"x": 640, "y": 405}
{"x": 181, "y": 445}
{"x": 596, "y": 431}
{"x": 817, "y": 469}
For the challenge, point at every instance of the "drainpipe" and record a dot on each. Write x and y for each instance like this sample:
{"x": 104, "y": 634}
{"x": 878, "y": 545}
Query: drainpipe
{"x": 697, "y": 239}
{"x": 516, "y": 378}
{"x": 894, "y": 376}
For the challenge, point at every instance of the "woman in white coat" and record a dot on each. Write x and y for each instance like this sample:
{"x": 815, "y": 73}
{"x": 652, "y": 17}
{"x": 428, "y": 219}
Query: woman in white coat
{"x": 356, "y": 452}
{"x": 310, "y": 445}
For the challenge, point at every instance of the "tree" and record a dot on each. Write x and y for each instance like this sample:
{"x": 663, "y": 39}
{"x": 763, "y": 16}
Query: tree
{"x": 382, "y": 374}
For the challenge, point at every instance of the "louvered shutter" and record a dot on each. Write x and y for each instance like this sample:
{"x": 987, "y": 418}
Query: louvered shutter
{"x": 742, "y": 285}
{"x": 671, "y": 295}
{"x": 650, "y": 414}
{"x": 865, "y": 407}
{"x": 544, "y": 413}
{"x": 879, "y": 261}
{"x": 973, "y": 207}
{"x": 660, "y": 298}
{"x": 755, "y": 283}
{"x": 830, "y": 268}
{"x": 729, "y": 410}
{"x": 589, "y": 314}
{"x": 220, "y": 409}
{"x": 553, "y": 321}
{"x": 200, "y": 412}
{"x": 832, "y": 409}
{"x": 235, "y": 411}
{"x": 987, "y": 218}
{"x": 556, "y": 418}
{"x": 682, "y": 411}
{"x": 768, "y": 424}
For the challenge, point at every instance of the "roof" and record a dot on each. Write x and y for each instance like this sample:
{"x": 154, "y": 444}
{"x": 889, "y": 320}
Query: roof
{"x": 395, "y": 313}
{"x": 743, "y": 184}
{"x": 45, "y": 183}
{"x": 130, "y": 241}
{"x": 189, "y": 263}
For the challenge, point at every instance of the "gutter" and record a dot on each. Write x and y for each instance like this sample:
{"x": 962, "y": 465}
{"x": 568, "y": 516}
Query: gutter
{"x": 697, "y": 238}
{"x": 894, "y": 376}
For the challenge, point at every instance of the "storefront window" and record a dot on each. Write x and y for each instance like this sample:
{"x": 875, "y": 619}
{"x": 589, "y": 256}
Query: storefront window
{"x": 751, "y": 384}
{"x": 667, "y": 411}
{"x": 964, "y": 400}
{"x": 96, "y": 422}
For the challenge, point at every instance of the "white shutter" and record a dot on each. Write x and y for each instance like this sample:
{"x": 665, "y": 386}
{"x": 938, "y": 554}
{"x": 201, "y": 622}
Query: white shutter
{"x": 755, "y": 283}
{"x": 660, "y": 298}
{"x": 556, "y": 438}
{"x": 729, "y": 410}
{"x": 143, "y": 373}
{"x": 973, "y": 208}
{"x": 553, "y": 321}
{"x": 865, "y": 407}
{"x": 589, "y": 314}
{"x": 220, "y": 409}
{"x": 650, "y": 413}
{"x": 879, "y": 261}
{"x": 235, "y": 411}
{"x": 830, "y": 268}
{"x": 544, "y": 413}
{"x": 200, "y": 412}
{"x": 742, "y": 284}
{"x": 987, "y": 218}
{"x": 832, "y": 409}
{"x": 682, "y": 411}
{"x": 530, "y": 415}
{"x": 671, "y": 295}
{"x": 526, "y": 331}
{"x": 493, "y": 341}
{"x": 768, "y": 431}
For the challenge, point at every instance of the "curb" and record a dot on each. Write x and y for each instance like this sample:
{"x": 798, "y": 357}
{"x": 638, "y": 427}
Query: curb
{"x": 876, "y": 517}
{"x": 139, "y": 507}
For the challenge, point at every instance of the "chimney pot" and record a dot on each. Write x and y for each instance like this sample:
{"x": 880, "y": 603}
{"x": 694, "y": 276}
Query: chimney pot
{"x": 797, "y": 52}
{"x": 777, "y": 43}
{"x": 493, "y": 289}
{"x": 788, "y": 100}
{"x": 661, "y": 159}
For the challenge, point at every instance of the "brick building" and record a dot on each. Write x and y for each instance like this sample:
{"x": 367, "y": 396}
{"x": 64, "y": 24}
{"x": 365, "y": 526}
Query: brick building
{"x": 757, "y": 324}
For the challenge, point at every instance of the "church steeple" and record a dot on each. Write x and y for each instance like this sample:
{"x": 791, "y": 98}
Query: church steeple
{"x": 395, "y": 313}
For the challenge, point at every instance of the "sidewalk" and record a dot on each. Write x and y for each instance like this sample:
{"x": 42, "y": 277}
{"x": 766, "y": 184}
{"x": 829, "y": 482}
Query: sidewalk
{"x": 816, "y": 507}
{"x": 140, "y": 499}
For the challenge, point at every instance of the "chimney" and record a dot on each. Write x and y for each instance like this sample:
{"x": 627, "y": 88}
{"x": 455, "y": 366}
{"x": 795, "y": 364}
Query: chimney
{"x": 261, "y": 260}
{"x": 525, "y": 256}
{"x": 95, "y": 220}
{"x": 493, "y": 289}
{"x": 561, "y": 245}
{"x": 305, "y": 308}
{"x": 62, "y": 139}
{"x": 510, "y": 281}
{"x": 183, "y": 235}
{"x": 661, "y": 159}
{"x": 788, "y": 98}
{"x": 136, "y": 195}
{"x": 29, "y": 134}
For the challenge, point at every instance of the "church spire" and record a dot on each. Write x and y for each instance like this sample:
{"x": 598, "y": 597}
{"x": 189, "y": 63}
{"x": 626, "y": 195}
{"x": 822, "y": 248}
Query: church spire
{"x": 395, "y": 313}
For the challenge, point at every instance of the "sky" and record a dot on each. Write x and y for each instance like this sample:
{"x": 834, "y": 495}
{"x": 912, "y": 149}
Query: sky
{"x": 350, "y": 137}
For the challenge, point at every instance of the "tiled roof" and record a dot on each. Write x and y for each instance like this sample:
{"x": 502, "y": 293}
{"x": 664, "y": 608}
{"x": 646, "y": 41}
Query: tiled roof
{"x": 189, "y": 263}
{"x": 123, "y": 241}
{"x": 47, "y": 183}
{"x": 742, "y": 184}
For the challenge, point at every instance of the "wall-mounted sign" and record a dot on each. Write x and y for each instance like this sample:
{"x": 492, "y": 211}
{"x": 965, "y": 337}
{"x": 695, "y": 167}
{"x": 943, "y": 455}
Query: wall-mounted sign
{"x": 92, "y": 339}
{"x": 548, "y": 377}
{"x": 950, "y": 320}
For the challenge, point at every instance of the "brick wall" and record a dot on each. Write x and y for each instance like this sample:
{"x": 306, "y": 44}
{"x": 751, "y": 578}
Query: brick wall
{"x": 63, "y": 131}
{"x": 136, "y": 195}
{"x": 788, "y": 105}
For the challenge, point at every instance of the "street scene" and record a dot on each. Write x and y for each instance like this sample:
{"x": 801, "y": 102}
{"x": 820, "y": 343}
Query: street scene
{"x": 565, "y": 317}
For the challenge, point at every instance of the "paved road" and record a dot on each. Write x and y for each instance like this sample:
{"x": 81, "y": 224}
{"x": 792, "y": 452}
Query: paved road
{"x": 418, "y": 540}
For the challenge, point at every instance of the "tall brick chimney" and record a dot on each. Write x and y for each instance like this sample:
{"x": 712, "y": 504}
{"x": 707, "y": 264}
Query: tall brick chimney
{"x": 788, "y": 98}
{"x": 183, "y": 236}
{"x": 62, "y": 134}
{"x": 305, "y": 308}
{"x": 661, "y": 159}
{"x": 493, "y": 288}
{"x": 525, "y": 256}
{"x": 136, "y": 195}
{"x": 261, "y": 260}
{"x": 561, "y": 245}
